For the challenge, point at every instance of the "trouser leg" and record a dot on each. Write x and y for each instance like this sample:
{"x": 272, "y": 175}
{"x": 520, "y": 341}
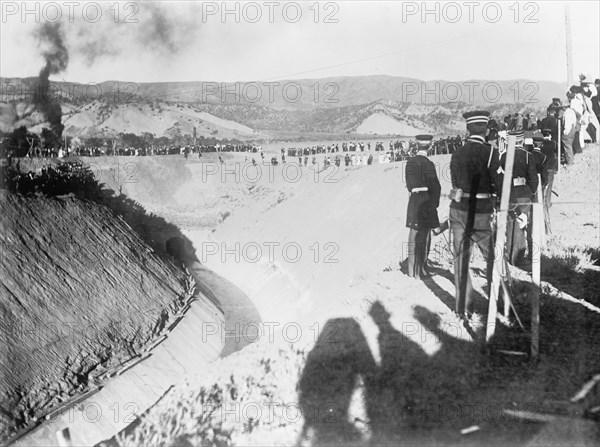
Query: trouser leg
{"x": 427, "y": 247}
{"x": 577, "y": 145}
{"x": 525, "y": 240}
{"x": 413, "y": 269}
{"x": 510, "y": 234}
{"x": 568, "y": 148}
{"x": 591, "y": 131}
{"x": 462, "y": 253}
{"x": 421, "y": 251}
{"x": 457, "y": 236}
{"x": 485, "y": 241}
{"x": 519, "y": 243}
{"x": 515, "y": 243}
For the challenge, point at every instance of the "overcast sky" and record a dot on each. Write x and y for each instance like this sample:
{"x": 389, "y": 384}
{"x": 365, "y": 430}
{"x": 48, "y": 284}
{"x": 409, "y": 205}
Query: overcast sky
{"x": 193, "y": 41}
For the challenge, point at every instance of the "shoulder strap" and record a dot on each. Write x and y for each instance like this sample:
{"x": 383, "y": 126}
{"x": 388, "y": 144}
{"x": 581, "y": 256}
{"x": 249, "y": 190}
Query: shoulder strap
{"x": 490, "y": 157}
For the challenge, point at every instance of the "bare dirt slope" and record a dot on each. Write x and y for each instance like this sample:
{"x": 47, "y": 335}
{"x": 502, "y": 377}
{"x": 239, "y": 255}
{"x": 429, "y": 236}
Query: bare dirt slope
{"x": 80, "y": 291}
{"x": 381, "y": 124}
{"x": 163, "y": 120}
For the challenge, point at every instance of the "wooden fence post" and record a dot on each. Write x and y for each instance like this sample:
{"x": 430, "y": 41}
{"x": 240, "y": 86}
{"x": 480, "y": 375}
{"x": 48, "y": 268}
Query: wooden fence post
{"x": 558, "y": 143}
{"x": 500, "y": 239}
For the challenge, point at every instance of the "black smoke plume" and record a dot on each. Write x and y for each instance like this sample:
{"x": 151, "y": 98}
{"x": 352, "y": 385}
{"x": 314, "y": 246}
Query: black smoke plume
{"x": 155, "y": 28}
{"x": 57, "y": 58}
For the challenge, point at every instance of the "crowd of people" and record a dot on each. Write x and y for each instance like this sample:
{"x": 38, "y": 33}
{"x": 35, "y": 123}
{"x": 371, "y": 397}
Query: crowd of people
{"x": 404, "y": 148}
{"x": 573, "y": 124}
{"x": 81, "y": 150}
{"x": 478, "y": 169}
{"x": 356, "y": 153}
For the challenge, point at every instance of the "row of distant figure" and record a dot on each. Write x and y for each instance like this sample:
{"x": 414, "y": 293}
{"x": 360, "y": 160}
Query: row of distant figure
{"x": 354, "y": 154}
{"x": 402, "y": 147}
{"x": 441, "y": 146}
{"x": 97, "y": 151}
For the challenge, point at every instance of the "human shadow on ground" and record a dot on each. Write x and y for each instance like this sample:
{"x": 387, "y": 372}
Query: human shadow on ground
{"x": 333, "y": 369}
{"x": 410, "y": 398}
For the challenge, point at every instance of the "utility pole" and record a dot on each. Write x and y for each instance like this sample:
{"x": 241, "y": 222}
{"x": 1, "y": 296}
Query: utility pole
{"x": 569, "y": 47}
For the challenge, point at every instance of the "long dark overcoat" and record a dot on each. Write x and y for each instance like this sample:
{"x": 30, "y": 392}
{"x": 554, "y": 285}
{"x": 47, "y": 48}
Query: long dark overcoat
{"x": 422, "y": 206}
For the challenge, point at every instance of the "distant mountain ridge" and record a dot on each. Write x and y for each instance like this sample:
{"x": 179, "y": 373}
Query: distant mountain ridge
{"x": 375, "y": 104}
{"x": 305, "y": 93}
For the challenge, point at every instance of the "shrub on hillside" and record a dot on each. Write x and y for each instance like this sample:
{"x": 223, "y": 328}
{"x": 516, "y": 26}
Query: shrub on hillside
{"x": 53, "y": 180}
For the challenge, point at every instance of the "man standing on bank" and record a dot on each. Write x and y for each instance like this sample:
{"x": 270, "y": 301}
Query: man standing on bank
{"x": 523, "y": 189}
{"x": 421, "y": 215}
{"x": 476, "y": 175}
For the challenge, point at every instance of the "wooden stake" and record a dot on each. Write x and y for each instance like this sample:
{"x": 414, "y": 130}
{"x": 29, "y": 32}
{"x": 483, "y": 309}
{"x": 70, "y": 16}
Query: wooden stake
{"x": 559, "y": 145}
{"x": 471, "y": 429}
{"x": 508, "y": 302}
{"x": 536, "y": 267}
{"x": 530, "y": 415}
{"x": 589, "y": 386}
{"x": 506, "y": 297}
{"x": 541, "y": 226}
{"x": 500, "y": 238}
{"x": 547, "y": 223}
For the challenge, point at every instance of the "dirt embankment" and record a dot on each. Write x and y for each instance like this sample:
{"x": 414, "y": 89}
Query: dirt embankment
{"x": 79, "y": 292}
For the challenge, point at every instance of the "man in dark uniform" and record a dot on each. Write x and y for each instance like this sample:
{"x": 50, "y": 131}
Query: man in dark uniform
{"x": 523, "y": 188}
{"x": 541, "y": 168}
{"x": 492, "y": 133}
{"x": 421, "y": 215}
{"x": 551, "y": 123}
{"x": 549, "y": 149}
{"x": 540, "y": 159}
{"x": 525, "y": 121}
{"x": 475, "y": 171}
